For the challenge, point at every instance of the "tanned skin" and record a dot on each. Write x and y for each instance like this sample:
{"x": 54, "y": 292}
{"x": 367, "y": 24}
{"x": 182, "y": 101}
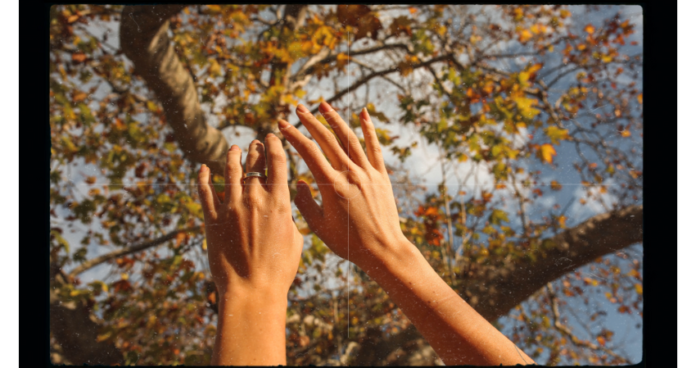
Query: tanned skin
{"x": 359, "y": 221}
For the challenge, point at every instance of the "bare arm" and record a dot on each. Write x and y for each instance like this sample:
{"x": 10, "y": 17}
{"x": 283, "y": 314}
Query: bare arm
{"x": 358, "y": 220}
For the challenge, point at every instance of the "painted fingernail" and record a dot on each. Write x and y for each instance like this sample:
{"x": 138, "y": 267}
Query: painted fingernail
{"x": 283, "y": 124}
{"x": 302, "y": 109}
{"x": 324, "y": 107}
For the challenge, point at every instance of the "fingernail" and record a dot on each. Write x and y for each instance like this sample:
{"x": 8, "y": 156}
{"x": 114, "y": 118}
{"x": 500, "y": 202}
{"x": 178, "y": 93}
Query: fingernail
{"x": 234, "y": 148}
{"x": 203, "y": 167}
{"x": 365, "y": 113}
{"x": 324, "y": 107}
{"x": 283, "y": 124}
{"x": 269, "y": 135}
{"x": 302, "y": 109}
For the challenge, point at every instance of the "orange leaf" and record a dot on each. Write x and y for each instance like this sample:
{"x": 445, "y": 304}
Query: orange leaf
{"x": 589, "y": 28}
{"x": 412, "y": 10}
{"x": 547, "y": 152}
{"x": 561, "y": 221}
{"x": 640, "y": 98}
{"x": 79, "y": 57}
{"x": 601, "y": 340}
{"x": 525, "y": 36}
{"x": 625, "y": 133}
{"x": 556, "y": 185}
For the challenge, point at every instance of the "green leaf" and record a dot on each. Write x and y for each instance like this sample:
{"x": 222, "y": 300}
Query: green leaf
{"x": 497, "y": 217}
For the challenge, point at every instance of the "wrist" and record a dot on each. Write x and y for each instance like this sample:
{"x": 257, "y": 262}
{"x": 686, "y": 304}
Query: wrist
{"x": 265, "y": 296}
{"x": 391, "y": 258}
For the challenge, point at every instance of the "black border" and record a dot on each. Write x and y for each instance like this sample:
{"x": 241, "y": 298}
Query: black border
{"x": 659, "y": 70}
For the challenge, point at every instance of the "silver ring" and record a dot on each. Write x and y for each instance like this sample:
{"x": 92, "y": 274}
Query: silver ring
{"x": 254, "y": 174}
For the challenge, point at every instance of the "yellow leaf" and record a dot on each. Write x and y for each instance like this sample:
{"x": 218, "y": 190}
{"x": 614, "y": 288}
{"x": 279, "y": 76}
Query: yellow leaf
{"x": 214, "y": 8}
{"x": 639, "y": 288}
{"x": 525, "y": 36}
{"x": 561, "y": 221}
{"x": 625, "y": 133}
{"x": 124, "y": 276}
{"x": 204, "y": 245}
{"x": 555, "y": 185}
{"x": 547, "y": 152}
{"x": 565, "y": 13}
{"x": 640, "y": 98}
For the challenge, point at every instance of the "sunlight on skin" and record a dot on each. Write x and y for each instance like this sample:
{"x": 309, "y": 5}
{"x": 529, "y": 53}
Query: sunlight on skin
{"x": 374, "y": 241}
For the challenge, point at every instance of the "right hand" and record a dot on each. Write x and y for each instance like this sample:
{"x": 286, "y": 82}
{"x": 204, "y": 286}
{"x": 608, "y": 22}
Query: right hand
{"x": 358, "y": 218}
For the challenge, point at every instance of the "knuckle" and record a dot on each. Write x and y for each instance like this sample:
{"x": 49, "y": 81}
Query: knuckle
{"x": 276, "y": 155}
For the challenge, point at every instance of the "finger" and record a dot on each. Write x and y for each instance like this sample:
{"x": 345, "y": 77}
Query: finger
{"x": 207, "y": 194}
{"x": 327, "y": 141}
{"x": 374, "y": 149}
{"x": 350, "y": 141}
{"x": 309, "y": 208}
{"x": 277, "y": 181}
{"x": 256, "y": 162}
{"x": 233, "y": 176}
{"x": 320, "y": 168}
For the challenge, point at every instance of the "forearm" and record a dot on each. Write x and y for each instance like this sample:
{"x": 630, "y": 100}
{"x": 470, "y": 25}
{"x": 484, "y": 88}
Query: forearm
{"x": 453, "y": 328}
{"x": 251, "y": 329}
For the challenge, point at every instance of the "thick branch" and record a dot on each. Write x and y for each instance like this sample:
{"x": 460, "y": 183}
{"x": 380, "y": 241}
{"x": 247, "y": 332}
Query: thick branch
{"x": 144, "y": 41}
{"x": 494, "y": 292}
{"x": 126, "y": 251}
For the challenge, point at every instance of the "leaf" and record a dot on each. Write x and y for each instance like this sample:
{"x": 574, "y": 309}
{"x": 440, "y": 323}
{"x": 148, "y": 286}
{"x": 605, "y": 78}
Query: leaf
{"x": 556, "y": 134}
{"x": 547, "y": 152}
{"x": 561, "y": 221}
{"x": 360, "y": 17}
{"x": 555, "y": 185}
{"x": 525, "y": 35}
{"x": 639, "y": 288}
{"x": 640, "y": 98}
{"x": 79, "y": 57}
{"x": 601, "y": 340}
{"x": 589, "y": 28}
{"x": 497, "y": 217}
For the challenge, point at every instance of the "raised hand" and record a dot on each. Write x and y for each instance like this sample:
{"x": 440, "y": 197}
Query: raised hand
{"x": 358, "y": 219}
{"x": 254, "y": 252}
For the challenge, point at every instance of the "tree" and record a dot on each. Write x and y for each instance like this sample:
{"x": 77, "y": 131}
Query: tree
{"x": 132, "y": 122}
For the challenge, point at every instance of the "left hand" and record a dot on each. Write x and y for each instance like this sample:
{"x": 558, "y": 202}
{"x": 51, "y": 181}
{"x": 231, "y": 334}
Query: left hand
{"x": 253, "y": 243}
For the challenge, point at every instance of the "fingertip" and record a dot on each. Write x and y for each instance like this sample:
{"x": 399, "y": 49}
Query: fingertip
{"x": 282, "y": 124}
{"x": 324, "y": 107}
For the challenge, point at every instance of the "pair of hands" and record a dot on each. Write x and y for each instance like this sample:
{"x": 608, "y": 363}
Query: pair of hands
{"x": 254, "y": 245}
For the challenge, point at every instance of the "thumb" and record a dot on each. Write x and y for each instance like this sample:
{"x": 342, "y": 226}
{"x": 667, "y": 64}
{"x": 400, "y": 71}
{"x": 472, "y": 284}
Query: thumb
{"x": 310, "y": 210}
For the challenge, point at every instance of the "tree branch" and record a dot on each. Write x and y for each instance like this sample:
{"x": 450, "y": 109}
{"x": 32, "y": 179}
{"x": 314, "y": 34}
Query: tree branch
{"x": 144, "y": 40}
{"x": 126, "y": 251}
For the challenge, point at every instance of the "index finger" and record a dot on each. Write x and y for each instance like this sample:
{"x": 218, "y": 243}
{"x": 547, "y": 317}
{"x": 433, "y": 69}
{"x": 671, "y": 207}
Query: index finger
{"x": 320, "y": 168}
